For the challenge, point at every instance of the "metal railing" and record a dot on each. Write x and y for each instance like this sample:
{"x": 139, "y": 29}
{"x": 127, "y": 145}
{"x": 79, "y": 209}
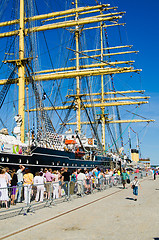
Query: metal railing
{"x": 36, "y": 196}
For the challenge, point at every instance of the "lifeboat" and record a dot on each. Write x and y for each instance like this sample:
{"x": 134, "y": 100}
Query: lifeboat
{"x": 70, "y": 142}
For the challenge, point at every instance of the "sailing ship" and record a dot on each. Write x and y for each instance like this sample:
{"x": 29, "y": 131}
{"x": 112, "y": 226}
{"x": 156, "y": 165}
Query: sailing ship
{"x": 59, "y": 86}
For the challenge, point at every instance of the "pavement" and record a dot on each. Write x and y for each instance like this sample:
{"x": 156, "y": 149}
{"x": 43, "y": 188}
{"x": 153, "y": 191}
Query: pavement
{"x": 110, "y": 214}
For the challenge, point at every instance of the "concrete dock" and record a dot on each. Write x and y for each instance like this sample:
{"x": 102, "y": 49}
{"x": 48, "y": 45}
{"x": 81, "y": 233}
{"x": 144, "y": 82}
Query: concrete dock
{"x": 110, "y": 214}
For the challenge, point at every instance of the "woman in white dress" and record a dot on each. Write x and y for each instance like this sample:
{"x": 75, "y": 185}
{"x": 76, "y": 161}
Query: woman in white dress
{"x": 55, "y": 184}
{"x": 39, "y": 183}
{"x": 3, "y": 187}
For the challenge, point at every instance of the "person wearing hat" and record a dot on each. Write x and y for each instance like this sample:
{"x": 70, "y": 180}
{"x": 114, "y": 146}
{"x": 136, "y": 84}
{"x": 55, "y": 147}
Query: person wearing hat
{"x": 134, "y": 185}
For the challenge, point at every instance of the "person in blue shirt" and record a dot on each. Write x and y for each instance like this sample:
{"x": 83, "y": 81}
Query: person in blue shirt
{"x": 125, "y": 176}
{"x": 72, "y": 182}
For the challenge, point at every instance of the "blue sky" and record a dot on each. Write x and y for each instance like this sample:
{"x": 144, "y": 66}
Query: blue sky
{"x": 142, "y": 24}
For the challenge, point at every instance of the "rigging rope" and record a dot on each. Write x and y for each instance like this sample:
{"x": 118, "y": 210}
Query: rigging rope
{"x": 66, "y": 118}
{"x": 58, "y": 90}
{"x": 138, "y": 134}
{"x": 137, "y": 107}
{"x": 54, "y": 109}
{"x": 58, "y": 84}
{"x": 93, "y": 127}
{"x": 47, "y": 124}
{"x": 91, "y": 100}
{"x": 109, "y": 130}
{"x": 112, "y": 80}
{"x": 5, "y": 89}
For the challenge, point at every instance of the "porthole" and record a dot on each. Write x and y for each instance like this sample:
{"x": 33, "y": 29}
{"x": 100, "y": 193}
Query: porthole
{"x": 2, "y": 159}
{"x": 7, "y": 159}
{"x": 37, "y": 162}
{"x": 20, "y": 160}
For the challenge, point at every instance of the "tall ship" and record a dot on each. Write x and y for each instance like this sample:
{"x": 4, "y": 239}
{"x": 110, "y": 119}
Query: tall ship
{"x": 65, "y": 99}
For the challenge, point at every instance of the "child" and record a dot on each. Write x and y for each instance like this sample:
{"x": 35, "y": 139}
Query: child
{"x": 134, "y": 185}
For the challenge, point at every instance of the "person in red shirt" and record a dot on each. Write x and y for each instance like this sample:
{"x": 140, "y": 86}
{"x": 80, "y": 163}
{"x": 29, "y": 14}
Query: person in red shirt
{"x": 137, "y": 170}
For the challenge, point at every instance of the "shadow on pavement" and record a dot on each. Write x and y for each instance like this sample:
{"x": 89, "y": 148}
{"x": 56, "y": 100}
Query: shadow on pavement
{"x": 129, "y": 198}
{"x": 123, "y": 188}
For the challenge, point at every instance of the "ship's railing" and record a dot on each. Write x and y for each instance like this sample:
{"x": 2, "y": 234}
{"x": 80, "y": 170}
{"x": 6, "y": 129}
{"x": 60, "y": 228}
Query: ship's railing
{"x": 33, "y": 197}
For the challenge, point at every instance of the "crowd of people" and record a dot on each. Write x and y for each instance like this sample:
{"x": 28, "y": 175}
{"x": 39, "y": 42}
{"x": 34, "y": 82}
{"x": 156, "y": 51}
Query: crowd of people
{"x": 22, "y": 185}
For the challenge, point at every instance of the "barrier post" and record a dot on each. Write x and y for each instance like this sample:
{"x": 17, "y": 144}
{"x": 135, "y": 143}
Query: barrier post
{"x": 68, "y": 195}
{"x": 111, "y": 182}
{"x": 91, "y": 185}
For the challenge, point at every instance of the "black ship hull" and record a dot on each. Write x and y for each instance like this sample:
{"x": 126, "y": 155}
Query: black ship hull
{"x": 44, "y": 157}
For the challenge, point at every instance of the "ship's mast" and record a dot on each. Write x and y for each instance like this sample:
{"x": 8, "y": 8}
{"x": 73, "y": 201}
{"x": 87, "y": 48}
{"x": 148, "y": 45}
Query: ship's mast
{"x": 102, "y": 87}
{"x": 77, "y": 78}
{"x": 21, "y": 70}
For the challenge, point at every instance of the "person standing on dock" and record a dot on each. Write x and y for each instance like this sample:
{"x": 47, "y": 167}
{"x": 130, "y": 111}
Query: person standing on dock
{"x": 81, "y": 181}
{"x": 3, "y": 187}
{"x": 72, "y": 181}
{"x": 49, "y": 178}
{"x": 9, "y": 180}
{"x": 39, "y": 182}
{"x": 28, "y": 181}
{"x": 125, "y": 176}
{"x": 20, "y": 182}
{"x": 65, "y": 180}
{"x": 135, "y": 185}
{"x": 14, "y": 186}
{"x": 154, "y": 174}
{"x": 55, "y": 184}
